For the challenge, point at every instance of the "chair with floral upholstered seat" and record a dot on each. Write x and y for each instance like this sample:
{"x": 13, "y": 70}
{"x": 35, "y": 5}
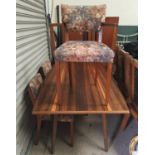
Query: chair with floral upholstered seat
{"x": 89, "y": 19}
{"x": 84, "y": 19}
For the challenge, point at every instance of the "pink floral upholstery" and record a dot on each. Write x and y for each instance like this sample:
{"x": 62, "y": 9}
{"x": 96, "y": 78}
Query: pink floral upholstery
{"x": 35, "y": 84}
{"x": 46, "y": 67}
{"x": 83, "y": 18}
{"x": 84, "y": 51}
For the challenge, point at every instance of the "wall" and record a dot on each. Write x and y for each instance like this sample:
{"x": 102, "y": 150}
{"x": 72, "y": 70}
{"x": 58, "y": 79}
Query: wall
{"x": 127, "y": 10}
{"x": 31, "y": 51}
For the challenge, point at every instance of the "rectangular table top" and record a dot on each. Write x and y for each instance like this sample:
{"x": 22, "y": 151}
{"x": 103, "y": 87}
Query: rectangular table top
{"x": 84, "y": 97}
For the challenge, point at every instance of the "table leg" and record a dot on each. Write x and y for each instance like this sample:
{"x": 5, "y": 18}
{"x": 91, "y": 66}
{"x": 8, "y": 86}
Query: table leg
{"x": 108, "y": 82}
{"x": 38, "y": 130}
{"x": 72, "y": 133}
{"x": 105, "y": 131}
{"x": 54, "y": 132}
{"x": 58, "y": 81}
{"x": 124, "y": 122}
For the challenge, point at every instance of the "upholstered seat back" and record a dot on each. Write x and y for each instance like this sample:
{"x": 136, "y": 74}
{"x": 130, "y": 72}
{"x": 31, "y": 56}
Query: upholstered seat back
{"x": 46, "y": 67}
{"x": 34, "y": 86}
{"x": 83, "y": 18}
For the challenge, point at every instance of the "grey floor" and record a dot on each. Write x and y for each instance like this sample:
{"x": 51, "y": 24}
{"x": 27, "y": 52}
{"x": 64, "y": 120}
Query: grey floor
{"x": 88, "y": 138}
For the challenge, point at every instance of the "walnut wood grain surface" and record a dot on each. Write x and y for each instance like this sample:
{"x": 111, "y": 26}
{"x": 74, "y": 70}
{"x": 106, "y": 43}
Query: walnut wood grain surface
{"x": 83, "y": 97}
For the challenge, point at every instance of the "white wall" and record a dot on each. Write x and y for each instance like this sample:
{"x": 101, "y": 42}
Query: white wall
{"x": 127, "y": 10}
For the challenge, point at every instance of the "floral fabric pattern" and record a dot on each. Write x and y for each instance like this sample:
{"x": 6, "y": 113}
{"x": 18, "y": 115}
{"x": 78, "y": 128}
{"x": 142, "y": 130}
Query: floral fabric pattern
{"x": 83, "y": 18}
{"x": 35, "y": 84}
{"x": 84, "y": 51}
{"x": 46, "y": 67}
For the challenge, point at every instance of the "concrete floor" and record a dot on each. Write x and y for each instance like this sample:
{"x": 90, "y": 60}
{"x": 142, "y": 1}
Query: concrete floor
{"x": 88, "y": 138}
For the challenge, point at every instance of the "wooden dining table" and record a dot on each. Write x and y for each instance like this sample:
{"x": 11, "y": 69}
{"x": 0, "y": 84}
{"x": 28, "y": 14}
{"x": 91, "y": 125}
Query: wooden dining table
{"x": 83, "y": 97}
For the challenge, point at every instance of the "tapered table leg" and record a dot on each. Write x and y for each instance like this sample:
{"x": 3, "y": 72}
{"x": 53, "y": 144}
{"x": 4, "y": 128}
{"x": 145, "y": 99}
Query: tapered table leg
{"x": 38, "y": 130}
{"x": 105, "y": 131}
{"x": 72, "y": 133}
{"x": 54, "y": 132}
{"x": 108, "y": 82}
{"x": 124, "y": 123}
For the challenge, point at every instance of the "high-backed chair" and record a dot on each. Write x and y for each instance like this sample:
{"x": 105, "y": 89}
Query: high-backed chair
{"x": 33, "y": 90}
{"x": 88, "y": 19}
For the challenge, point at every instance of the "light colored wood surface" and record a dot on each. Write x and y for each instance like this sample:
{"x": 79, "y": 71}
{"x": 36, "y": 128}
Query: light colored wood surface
{"x": 84, "y": 97}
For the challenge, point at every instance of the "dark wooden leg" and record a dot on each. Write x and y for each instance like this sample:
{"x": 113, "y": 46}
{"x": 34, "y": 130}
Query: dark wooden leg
{"x": 105, "y": 131}
{"x": 72, "y": 133}
{"x": 124, "y": 123}
{"x": 38, "y": 130}
{"x": 54, "y": 132}
{"x": 96, "y": 73}
{"x": 58, "y": 81}
{"x": 70, "y": 73}
{"x": 108, "y": 82}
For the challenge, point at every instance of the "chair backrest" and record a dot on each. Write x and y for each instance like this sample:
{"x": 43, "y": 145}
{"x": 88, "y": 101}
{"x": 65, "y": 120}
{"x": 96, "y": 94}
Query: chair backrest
{"x": 45, "y": 68}
{"x": 82, "y": 18}
{"x": 34, "y": 87}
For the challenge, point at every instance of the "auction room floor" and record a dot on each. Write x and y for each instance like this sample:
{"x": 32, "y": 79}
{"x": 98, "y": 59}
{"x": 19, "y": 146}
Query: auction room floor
{"x": 88, "y": 138}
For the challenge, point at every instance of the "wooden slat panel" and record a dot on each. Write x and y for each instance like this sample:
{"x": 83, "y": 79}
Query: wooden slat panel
{"x": 108, "y": 31}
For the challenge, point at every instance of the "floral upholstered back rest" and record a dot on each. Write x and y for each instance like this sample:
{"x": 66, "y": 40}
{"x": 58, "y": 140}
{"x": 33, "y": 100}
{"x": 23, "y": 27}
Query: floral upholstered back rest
{"x": 35, "y": 85}
{"x": 83, "y": 18}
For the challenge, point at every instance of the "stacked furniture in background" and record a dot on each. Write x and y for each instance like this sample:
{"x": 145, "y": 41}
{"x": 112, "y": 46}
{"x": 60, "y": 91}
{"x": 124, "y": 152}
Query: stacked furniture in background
{"x": 127, "y": 75}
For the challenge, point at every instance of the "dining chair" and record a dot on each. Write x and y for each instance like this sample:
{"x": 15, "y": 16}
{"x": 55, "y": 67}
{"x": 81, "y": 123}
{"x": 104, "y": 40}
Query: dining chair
{"x": 84, "y": 19}
{"x": 33, "y": 91}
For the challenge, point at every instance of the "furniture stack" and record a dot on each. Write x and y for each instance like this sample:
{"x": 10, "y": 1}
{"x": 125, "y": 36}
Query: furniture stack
{"x": 81, "y": 80}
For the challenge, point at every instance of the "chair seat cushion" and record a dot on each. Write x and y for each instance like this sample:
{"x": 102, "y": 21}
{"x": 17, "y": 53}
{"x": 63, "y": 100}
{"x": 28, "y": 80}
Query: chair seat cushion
{"x": 84, "y": 51}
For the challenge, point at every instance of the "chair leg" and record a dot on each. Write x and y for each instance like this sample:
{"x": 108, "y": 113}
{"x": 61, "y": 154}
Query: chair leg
{"x": 70, "y": 73}
{"x": 38, "y": 130}
{"x": 124, "y": 123}
{"x": 58, "y": 81}
{"x": 72, "y": 133}
{"x": 54, "y": 132}
{"x": 105, "y": 131}
{"x": 96, "y": 73}
{"x": 108, "y": 83}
